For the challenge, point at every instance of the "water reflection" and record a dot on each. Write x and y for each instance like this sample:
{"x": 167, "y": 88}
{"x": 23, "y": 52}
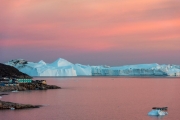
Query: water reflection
{"x": 98, "y": 98}
{"x": 156, "y": 117}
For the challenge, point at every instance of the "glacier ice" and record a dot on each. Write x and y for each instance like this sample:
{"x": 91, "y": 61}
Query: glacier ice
{"x": 62, "y": 67}
{"x": 157, "y": 113}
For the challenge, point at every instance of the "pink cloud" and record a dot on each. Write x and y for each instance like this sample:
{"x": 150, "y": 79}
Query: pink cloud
{"x": 91, "y": 26}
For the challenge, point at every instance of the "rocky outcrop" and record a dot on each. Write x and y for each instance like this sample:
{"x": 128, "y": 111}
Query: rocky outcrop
{"x": 3, "y": 94}
{"x": 28, "y": 86}
{"x": 11, "y": 88}
{"x": 52, "y": 87}
{"x": 9, "y": 71}
{"x": 10, "y": 105}
{"x": 38, "y": 86}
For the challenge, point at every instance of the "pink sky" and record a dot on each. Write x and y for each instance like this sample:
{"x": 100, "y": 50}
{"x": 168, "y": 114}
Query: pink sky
{"x": 91, "y": 31}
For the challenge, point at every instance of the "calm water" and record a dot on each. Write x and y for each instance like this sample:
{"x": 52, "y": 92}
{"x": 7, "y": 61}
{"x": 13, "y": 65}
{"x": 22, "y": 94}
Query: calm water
{"x": 99, "y": 98}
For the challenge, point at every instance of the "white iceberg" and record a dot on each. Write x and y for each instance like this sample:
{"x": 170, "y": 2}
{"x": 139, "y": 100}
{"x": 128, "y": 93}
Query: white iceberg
{"x": 62, "y": 67}
{"x": 157, "y": 113}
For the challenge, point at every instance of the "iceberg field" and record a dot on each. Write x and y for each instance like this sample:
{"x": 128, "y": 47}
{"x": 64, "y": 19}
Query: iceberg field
{"x": 62, "y": 67}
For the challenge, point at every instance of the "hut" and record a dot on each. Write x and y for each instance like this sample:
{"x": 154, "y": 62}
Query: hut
{"x": 24, "y": 80}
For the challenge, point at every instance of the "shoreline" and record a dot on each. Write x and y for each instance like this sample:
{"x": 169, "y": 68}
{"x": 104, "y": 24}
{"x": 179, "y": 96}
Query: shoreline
{"x": 22, "y": 87}
{"x": 28, "y": 86}
{"x": 12, "y": 106}
{"x": 11, "y": 79}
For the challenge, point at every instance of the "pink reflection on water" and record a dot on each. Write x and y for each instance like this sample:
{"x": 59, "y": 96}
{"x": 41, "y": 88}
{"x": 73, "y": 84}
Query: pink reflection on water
{"x": 99, "y": 98}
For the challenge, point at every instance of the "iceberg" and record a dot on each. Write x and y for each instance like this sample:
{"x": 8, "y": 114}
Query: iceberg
{"x": 62, "y": 67}
{"x": 158, "y": 111}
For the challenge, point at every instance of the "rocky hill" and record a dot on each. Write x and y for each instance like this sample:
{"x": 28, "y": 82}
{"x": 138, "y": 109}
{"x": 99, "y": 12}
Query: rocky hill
{"x": 9, "y": 71}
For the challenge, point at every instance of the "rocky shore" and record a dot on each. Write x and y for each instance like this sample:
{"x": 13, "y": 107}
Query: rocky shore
{"x": 11, "y": 88}
{"x": 28, "y": 86}
{"x": 22, "y": 87}
{"x": 12, "y": 106}
{"x": 38, "y": 86}
{"x": 11, "y": 72}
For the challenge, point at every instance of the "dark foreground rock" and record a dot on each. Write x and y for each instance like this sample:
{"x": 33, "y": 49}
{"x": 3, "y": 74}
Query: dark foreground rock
{"x": 10, "y": 105}
{"x": 11, "y": 88}
{"x": 28, "y": 86}
{"x": 37, "y": 86}
{"x": 3, "y": 94}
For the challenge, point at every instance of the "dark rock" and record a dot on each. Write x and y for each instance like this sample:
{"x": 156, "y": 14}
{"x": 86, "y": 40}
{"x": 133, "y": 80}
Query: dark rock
{"x": 52, "y": 87}
{"x": 28, "y": 86}
{"x": 9, "y": 105}
{"x": 11, "y": 88}
{"x": 9, "y": 71}
{"x": 3, "y": 94}
{"x": 38, "y": 86}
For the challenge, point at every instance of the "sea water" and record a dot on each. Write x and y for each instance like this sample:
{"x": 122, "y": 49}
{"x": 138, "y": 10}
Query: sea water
{"x": 98, "y": 98}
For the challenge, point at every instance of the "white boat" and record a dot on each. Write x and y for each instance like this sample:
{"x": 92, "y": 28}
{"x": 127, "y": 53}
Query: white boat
{"x": 156, "y": 111}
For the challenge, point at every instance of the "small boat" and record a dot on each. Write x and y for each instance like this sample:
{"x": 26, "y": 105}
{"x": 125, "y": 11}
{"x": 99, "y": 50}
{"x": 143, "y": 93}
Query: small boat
{"x": 158, "y": 111}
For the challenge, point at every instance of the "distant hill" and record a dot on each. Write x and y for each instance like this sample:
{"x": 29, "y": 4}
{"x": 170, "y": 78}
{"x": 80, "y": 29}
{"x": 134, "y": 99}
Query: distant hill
{"x": 9, "y": 71}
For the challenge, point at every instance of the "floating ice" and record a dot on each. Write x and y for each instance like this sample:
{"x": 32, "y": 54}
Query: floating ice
{"x": 157, "y": 113}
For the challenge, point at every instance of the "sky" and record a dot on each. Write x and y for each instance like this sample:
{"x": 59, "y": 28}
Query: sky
{"x": 91, "y": 32}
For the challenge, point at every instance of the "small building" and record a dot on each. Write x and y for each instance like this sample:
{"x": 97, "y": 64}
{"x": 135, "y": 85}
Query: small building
{"x": 24, "y": 80}
{"x": 14, "y": 81}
